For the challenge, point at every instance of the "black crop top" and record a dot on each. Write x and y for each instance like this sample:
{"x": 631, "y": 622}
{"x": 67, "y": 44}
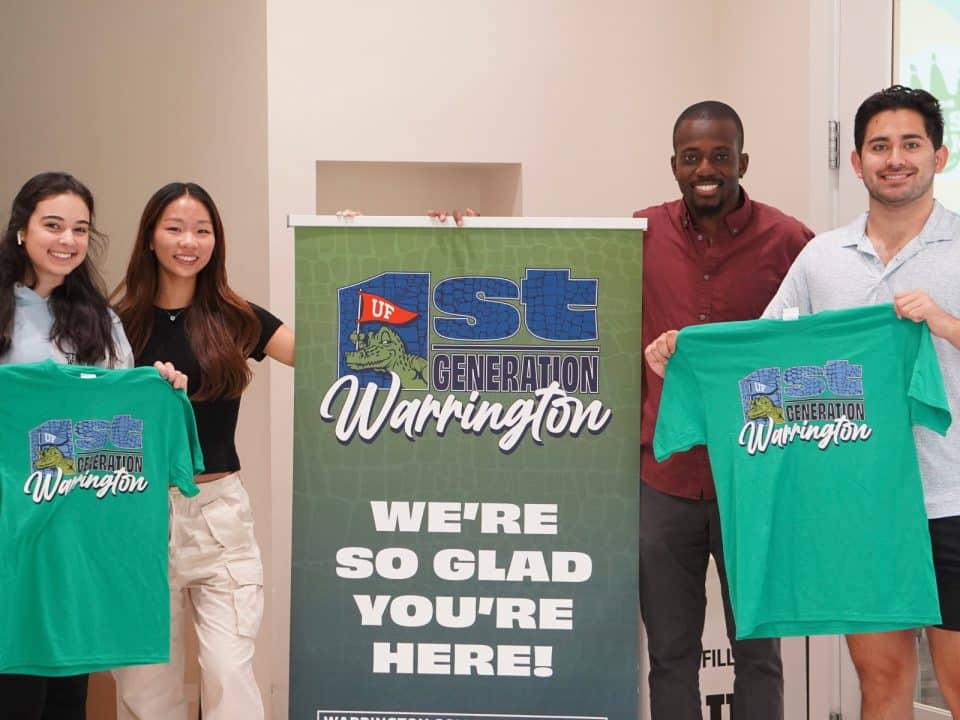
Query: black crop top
{"x": 216, "y": 419}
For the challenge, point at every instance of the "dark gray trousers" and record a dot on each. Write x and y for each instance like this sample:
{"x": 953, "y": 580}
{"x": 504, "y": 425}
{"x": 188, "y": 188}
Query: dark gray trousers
{"x": 677, "y": 536}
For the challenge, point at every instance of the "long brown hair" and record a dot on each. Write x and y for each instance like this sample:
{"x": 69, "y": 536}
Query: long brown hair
{"x": 219, "y": 324}
{"x": 82, "y": 324}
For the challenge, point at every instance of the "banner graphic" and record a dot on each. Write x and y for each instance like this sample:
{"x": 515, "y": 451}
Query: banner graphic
{"x": 466, "y": 471}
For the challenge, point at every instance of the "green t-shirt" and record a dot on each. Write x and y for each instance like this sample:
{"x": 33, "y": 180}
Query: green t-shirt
{"x": 86, "y": 459}
{"x": 808, "y": 426}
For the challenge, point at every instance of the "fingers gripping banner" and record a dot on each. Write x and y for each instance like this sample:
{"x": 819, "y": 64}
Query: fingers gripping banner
{"x": 466, "y": 464}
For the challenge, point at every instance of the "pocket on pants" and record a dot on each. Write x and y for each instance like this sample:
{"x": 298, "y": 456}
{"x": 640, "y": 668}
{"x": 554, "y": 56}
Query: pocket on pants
{"x": 248, "y": 595}
{"x": 226, "y": 527}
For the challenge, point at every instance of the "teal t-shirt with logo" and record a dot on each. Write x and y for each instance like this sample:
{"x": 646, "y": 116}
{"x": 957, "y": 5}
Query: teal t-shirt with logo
{"x": 86, "y": 459}
{"x": 808, "y": 425}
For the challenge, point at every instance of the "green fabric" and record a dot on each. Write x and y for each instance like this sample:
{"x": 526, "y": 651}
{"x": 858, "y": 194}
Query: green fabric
{"x": 84, "y": 571}
{"x": 829, "y": 539}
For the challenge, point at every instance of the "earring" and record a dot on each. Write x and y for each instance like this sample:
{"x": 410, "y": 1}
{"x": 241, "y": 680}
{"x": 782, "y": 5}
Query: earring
{"x": 19, "y": 237}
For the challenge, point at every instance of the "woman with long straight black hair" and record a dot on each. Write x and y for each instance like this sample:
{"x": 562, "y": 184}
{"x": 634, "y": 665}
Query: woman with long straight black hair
{"x": 177, "y": 306}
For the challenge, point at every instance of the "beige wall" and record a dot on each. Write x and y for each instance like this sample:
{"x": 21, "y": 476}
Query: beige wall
{"x": 129, "y": 96}
{"x": 247, "y": 96}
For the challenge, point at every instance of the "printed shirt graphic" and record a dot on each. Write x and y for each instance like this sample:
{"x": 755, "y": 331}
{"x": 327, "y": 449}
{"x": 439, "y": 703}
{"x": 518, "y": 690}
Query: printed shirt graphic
{"x": 86, "y": 459}
{"x": 808, "y": 426}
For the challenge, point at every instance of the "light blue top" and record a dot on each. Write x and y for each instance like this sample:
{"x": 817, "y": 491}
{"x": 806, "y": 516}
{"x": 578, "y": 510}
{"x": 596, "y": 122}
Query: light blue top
{"x": 30, "y": 340}
{"x": 840, "y": 269}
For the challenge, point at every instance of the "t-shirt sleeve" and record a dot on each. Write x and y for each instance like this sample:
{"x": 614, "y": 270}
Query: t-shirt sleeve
{"x": 928, "y": 398}
{"x": 186, "y": 458}
{"x": 792, "y": 292}
{"x": 681, "y": 422}
{"x": 269, "y": 324}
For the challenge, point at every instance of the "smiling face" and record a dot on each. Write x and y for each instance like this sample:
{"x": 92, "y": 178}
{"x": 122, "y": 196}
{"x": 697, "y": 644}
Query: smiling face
{"x": 897, "y": 161}
{"x": 56, "y": 239}
{"x": 183, "y": 240}
{"x": 708, "y": 165}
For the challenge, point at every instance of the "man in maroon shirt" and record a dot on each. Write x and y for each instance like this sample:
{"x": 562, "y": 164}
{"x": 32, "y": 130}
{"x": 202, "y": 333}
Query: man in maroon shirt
{"x": 714, "y": 255}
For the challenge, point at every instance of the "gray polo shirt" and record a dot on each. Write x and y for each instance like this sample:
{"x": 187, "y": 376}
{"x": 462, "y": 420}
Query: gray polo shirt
{"x": 840, "y": 269}
{"x": 30, "y": 340}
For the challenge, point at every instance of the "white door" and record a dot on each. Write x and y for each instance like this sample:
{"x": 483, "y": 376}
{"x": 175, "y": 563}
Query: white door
{"x": 879, "y": 42}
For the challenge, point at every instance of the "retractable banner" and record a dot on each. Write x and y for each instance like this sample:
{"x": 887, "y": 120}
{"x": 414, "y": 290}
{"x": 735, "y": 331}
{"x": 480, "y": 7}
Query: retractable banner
{"x": 466, "y": 469}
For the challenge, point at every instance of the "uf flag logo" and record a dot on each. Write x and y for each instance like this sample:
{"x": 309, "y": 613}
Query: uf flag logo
{"x": 383, "y": 329}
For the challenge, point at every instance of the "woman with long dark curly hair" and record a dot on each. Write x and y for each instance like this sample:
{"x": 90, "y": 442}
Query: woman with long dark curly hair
{"x": 176, "y": 306}
{"x": 53, "y": 307}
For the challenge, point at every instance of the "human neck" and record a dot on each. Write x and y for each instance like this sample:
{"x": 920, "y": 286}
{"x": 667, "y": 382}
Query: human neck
{"x": 42, "y": 285}
{"x": 175, "y": 292}
{"x": 891, "y": 227}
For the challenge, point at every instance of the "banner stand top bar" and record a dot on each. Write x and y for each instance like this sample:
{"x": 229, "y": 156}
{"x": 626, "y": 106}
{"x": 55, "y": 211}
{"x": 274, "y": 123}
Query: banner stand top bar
{"x": 422, "y": 221}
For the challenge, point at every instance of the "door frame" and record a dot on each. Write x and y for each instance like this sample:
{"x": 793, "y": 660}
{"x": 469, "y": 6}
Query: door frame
{"x": 861, "y": 35}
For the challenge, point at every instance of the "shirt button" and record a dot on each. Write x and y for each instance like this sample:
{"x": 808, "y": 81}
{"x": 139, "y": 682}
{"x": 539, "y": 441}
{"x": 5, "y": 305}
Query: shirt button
{"x": 706, "y": 276}
{"x": 702, "y": 316}
{"x": 700, "y": 238}
{"x": 735, "y": 231}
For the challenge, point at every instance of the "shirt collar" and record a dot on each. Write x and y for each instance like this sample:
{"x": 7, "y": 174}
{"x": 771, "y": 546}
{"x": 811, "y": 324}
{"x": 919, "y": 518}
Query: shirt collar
{"x": 938, "y": 226}
{"x": 735, "y": 221}
{"x": 936, "y": 229}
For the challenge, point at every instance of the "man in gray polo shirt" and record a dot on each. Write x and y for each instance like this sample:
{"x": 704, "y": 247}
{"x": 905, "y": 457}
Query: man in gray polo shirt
{"x": 905, "y": 250}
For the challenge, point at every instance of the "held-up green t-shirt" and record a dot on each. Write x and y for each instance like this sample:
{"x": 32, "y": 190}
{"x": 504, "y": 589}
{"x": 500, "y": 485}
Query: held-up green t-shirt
{"x": 86, "y": 459}
{"x": 807, "y": 424}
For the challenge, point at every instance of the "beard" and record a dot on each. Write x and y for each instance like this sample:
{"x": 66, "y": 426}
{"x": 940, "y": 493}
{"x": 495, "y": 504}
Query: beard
{"x": 709, "y": 210}
{"x": 706, "y": 207}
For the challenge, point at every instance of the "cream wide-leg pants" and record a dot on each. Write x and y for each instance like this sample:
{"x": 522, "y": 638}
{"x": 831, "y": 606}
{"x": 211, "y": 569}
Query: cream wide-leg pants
{"x": 215, "y": 565}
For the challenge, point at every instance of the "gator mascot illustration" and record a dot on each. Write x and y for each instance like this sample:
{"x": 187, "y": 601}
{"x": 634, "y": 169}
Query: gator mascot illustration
{"x": 50, "y": 456}
{"x": 761, "y": 407}
{"x": 383, "y": 351}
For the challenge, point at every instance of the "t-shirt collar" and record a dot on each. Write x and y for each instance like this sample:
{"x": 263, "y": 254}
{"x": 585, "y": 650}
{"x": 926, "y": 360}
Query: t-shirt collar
{"x": 936, "y": 229}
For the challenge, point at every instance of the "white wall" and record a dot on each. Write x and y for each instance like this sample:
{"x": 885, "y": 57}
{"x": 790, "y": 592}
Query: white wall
{"x": 246, "y": 96}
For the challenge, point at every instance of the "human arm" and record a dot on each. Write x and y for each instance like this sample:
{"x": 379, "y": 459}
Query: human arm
{"x": 276, "y": 339}
{"x": 281, "y": 346}
{"x": 918, "y": 306}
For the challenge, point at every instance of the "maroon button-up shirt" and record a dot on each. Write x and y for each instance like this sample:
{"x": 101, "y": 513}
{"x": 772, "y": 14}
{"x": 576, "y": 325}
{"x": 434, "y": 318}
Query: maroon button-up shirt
{"x": 690, "y": 279}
